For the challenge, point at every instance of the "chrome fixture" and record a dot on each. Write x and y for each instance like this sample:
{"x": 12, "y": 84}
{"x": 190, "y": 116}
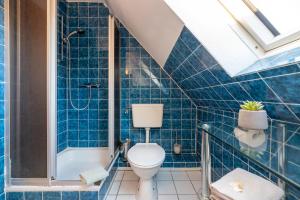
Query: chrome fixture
{"x": 78, "y": 31}
{"x": 66, "y": 40}
{"x": 281, "y": 154}
{"x": 124, "y": 149}
{"x": 205, "y": 163}
{"x": 90, "y": 85}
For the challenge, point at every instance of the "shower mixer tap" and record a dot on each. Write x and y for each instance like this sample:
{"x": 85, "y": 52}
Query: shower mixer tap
{"x": 90, "y": 85}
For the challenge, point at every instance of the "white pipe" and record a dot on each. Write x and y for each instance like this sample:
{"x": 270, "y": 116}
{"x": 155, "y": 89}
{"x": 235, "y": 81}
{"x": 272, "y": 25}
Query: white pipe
{"x": 147, "y": 135}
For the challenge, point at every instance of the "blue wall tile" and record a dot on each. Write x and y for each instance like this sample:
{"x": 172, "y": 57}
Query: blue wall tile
{"x": 286, "y": 87}
{"x": 260, "y": 91}
{"x": 15, "y": 196}
{"x": 211, "y": 86}
{"x": 144, "y": 81}
{"x": 89, "y": 65}
{"x": 89, "y": 195}
{"x": 51, "y": 195}
{"x": 280, "y": 71}
{"x": 33, "y": 195}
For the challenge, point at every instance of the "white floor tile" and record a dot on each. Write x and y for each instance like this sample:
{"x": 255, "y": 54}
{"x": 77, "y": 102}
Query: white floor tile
{"x": 184, "y": 187}
{"x": 164, "y": 176}
{"x": 126, "y": 183}
{"x": 188, "y": 197}
{"x": 111, "y": 197}
{"x": 126, "y": 197}
{"x": 197, "y": 185}
{"x": 194, "y": 175}
{"x": 119, "y": 176}
{"x": 115, "y": 187}
{"x": 128, "y": 187}
{"x": 180, "y": 176}
{"x": 166, "y": 187}
{"x": 167, "y": 197}
{"x": 130, "y": 176}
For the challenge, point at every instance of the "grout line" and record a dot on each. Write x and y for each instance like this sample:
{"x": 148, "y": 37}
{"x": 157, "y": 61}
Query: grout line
{"x": 235, "y": 82}
{"x": 280, "y": 98}
{"x": 192, "y": 53}
{"x": 192, "y": 101}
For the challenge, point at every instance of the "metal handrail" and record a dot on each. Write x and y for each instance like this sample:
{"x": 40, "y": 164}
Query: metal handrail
{"x": 205, "y": 164}
{"x": 259, "y": 164}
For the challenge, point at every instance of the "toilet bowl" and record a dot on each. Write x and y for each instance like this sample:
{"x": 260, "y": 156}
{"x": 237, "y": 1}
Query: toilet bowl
{"x": 145, "y": 160}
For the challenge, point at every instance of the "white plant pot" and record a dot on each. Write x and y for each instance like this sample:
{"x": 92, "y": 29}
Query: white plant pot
{"x": 253, "y": 120}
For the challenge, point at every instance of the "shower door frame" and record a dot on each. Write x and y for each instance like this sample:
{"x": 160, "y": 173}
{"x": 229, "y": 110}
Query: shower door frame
{"x": 51, "y": 98}
{"x": 111, "y": 85}
{"x": 52, "y": 101}
{"x": 52, "y": 90}
{"x": 52, "y": 121}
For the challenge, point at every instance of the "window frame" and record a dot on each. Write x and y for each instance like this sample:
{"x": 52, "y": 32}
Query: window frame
{"x": 245, "y": 16}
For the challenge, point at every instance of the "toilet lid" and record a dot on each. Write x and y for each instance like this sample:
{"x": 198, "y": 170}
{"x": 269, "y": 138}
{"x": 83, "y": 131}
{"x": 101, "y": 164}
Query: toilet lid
{"x": 146, "y": 154}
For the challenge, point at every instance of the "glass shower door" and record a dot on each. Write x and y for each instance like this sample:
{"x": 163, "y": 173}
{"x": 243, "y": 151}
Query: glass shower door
{"x": 28, "y": 88}
{"x": 117, "y": 89}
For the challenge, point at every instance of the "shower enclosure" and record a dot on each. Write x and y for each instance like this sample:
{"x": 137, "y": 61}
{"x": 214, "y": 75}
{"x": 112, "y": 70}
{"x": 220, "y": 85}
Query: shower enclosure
{"x": 64, "y": 90}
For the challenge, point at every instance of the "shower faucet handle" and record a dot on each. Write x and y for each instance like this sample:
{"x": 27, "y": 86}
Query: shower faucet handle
{"x": 90, "y": 85}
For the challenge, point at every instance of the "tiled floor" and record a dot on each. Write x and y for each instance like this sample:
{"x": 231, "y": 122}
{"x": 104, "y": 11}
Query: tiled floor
{"x": 171, "y": 185}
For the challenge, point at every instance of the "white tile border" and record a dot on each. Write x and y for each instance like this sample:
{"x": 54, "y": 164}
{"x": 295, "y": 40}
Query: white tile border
{"x": 166, "y": 169}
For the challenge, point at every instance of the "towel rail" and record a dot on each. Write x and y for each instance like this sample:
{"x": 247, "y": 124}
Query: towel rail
{"x": 281, "y": 155}
{"x": 205, "y": 163}
{"x": 283, "y": 178}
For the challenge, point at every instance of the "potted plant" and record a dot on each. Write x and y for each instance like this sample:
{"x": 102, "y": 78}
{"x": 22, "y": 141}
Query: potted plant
{"x": 252, "y": 116}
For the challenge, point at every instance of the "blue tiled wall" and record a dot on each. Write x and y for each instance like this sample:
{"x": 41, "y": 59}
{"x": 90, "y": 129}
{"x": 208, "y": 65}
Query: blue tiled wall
{"x": 144, "y": 81}
{"x": 207, "y": 83}
{"x": 89, "y": 64}
{"x": 2, "y": 102}
{"x": 65, "y": 195}
{"x": 218, "y": 94}
{"x": 89, "y": 61}
{"x": 61, "y": 78}
{"x": 59, "y": 195}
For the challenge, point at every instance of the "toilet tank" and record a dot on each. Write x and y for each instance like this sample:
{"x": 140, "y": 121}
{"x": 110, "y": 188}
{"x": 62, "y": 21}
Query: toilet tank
{"x": 147, "y": 115}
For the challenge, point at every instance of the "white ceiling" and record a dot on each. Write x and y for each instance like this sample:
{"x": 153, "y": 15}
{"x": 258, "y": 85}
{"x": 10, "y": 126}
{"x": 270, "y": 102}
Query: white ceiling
{"x": 155, "y": 26}
{"x": 233, "y": 48}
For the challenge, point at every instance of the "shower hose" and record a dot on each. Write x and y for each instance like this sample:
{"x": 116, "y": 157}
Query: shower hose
{"x": 69, "y": 82}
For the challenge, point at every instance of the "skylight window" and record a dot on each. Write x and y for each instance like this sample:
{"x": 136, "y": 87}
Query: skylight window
{"x": 272, "y": 23}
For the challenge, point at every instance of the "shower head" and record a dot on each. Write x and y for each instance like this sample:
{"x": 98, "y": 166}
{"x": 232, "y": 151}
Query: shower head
{"x": 78, "y": 31}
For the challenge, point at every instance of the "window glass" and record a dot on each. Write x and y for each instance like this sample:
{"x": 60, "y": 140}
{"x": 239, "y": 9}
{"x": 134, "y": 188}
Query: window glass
{"x": 283, "y": 14}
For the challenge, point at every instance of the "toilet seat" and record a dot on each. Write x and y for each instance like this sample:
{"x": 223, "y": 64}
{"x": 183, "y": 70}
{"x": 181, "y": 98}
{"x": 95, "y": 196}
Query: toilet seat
{"x": 146, "y": 155}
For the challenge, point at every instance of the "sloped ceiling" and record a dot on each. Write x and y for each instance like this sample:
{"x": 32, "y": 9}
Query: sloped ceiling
{"x": 152, "y": 23}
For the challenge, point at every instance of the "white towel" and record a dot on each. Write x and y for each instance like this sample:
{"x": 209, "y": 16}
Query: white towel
{"x": 215, "y": 195}
{"x": 93, "y": 175}
{"x": 240, "y": 184}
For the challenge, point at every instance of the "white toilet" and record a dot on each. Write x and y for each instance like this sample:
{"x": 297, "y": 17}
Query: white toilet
{"x": 146, "y": 158}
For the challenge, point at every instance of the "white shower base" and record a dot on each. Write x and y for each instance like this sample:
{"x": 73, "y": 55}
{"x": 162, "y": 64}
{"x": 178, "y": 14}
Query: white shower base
{"x": 72, "y": 161}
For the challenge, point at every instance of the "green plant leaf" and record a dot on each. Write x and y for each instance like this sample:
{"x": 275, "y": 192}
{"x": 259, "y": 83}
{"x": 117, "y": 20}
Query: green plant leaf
{"x": 252, "y": 105}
